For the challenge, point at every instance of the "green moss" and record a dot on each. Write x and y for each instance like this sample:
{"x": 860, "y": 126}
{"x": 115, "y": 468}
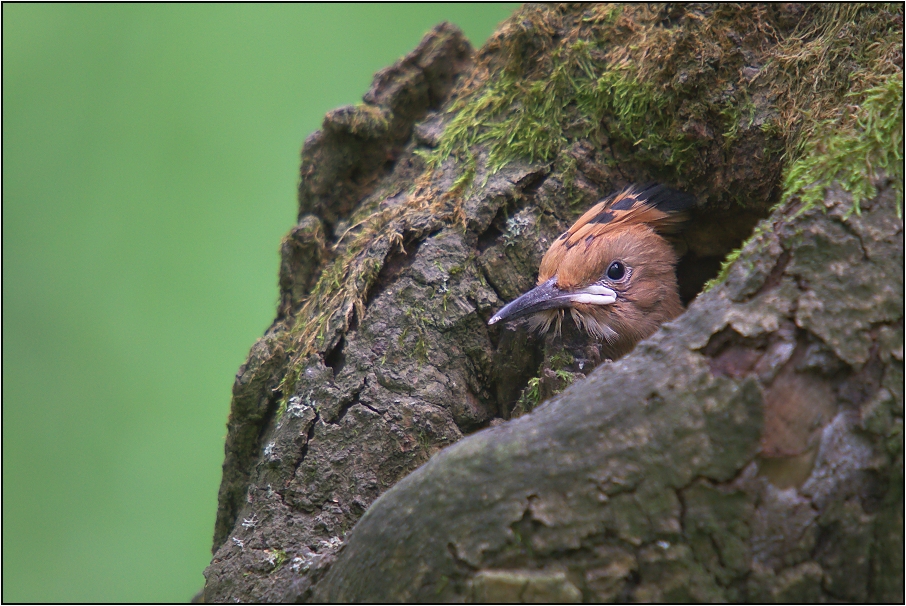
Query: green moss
{"x": 465, "y": 179}
{"x": 854, "y": 150}
{"x": 531, "y": 395}
{"x": 515, "y": 117}
{"x": 424, "y": 441}
{"x": 561, "y": 359}
{"x": 639, "y": 113}
{"x": 567, "y": 377}
{"x": 771, "y": 128}
{"x": 839, "y": 84}
{"x": 725, "y": 266}
{"x": 419, "y": 324}
{"x": 586, "y": 86}
{"x": 521, "y": 118}
{"x": 840, "y": 49}
{"x": 365, "y": 120}
{"x": 734, "y": 116}
{"x": 281, "y": 408}
{"x": 568, "y": 169}
{"x": 839, "y": 87}
{"x": 341, "y": 289}
{"x": 593, "y": 83}
{"x": 278, "y": 556}
{"x": 605, "y": 14}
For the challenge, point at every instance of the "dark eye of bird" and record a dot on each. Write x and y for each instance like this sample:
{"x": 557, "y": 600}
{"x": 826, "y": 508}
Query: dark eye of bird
{"x": 616, "y": 271}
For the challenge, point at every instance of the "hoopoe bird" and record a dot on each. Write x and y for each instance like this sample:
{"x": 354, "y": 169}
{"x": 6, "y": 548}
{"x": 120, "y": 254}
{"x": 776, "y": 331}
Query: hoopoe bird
{"x": 613, "y": 270}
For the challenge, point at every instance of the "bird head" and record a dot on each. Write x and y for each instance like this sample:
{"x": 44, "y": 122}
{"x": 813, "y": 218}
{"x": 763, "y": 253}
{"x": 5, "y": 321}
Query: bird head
{"x": 613, "y": 270}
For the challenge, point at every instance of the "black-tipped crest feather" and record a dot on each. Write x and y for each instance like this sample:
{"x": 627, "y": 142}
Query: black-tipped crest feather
{"x": 662, "y": 208}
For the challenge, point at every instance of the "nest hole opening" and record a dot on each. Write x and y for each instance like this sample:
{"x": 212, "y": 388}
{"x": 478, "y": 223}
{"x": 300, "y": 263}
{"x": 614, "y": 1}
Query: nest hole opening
{"x": 710, "y": 235}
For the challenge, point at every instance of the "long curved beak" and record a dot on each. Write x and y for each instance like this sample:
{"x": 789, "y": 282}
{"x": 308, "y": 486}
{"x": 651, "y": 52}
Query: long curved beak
{"x": 549, "y": 296}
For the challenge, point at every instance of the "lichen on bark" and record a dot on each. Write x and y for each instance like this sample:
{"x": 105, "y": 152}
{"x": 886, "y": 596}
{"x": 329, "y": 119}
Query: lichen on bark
{"x": 751, "y": 450}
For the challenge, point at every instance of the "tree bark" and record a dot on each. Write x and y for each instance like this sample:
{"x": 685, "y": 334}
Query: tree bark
{"x": 383, "y": 441}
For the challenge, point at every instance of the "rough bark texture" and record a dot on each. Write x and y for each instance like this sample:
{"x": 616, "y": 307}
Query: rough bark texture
{"x": 751, "y": 450}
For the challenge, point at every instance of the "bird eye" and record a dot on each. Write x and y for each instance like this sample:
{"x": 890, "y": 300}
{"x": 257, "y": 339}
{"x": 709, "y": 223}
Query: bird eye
{"x": 616, "y": 271}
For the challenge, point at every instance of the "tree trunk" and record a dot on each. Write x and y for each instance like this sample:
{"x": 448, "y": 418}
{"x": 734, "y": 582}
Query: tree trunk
{"x": 751, "y": 450}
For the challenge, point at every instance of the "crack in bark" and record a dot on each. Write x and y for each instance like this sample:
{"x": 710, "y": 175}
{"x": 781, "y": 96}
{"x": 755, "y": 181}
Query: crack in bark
{"x": 775, "y": 275}
{"x": 352, "y": 401}
{"x": 311, "y": 436}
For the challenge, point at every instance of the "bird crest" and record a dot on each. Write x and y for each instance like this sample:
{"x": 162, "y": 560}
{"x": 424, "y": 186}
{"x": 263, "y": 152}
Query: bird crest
{"x": 659, "y": 207}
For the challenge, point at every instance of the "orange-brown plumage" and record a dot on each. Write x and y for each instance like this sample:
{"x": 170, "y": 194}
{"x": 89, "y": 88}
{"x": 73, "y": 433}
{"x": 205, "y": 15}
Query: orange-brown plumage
{"x": 612, "y": 270}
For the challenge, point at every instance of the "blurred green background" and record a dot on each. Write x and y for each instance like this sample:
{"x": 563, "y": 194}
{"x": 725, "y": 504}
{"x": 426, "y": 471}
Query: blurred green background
{"x": 150, "y": 157}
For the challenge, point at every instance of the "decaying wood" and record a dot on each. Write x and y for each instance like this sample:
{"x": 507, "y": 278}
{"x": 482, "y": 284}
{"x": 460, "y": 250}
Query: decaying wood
{"x": 751, "y": 450}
